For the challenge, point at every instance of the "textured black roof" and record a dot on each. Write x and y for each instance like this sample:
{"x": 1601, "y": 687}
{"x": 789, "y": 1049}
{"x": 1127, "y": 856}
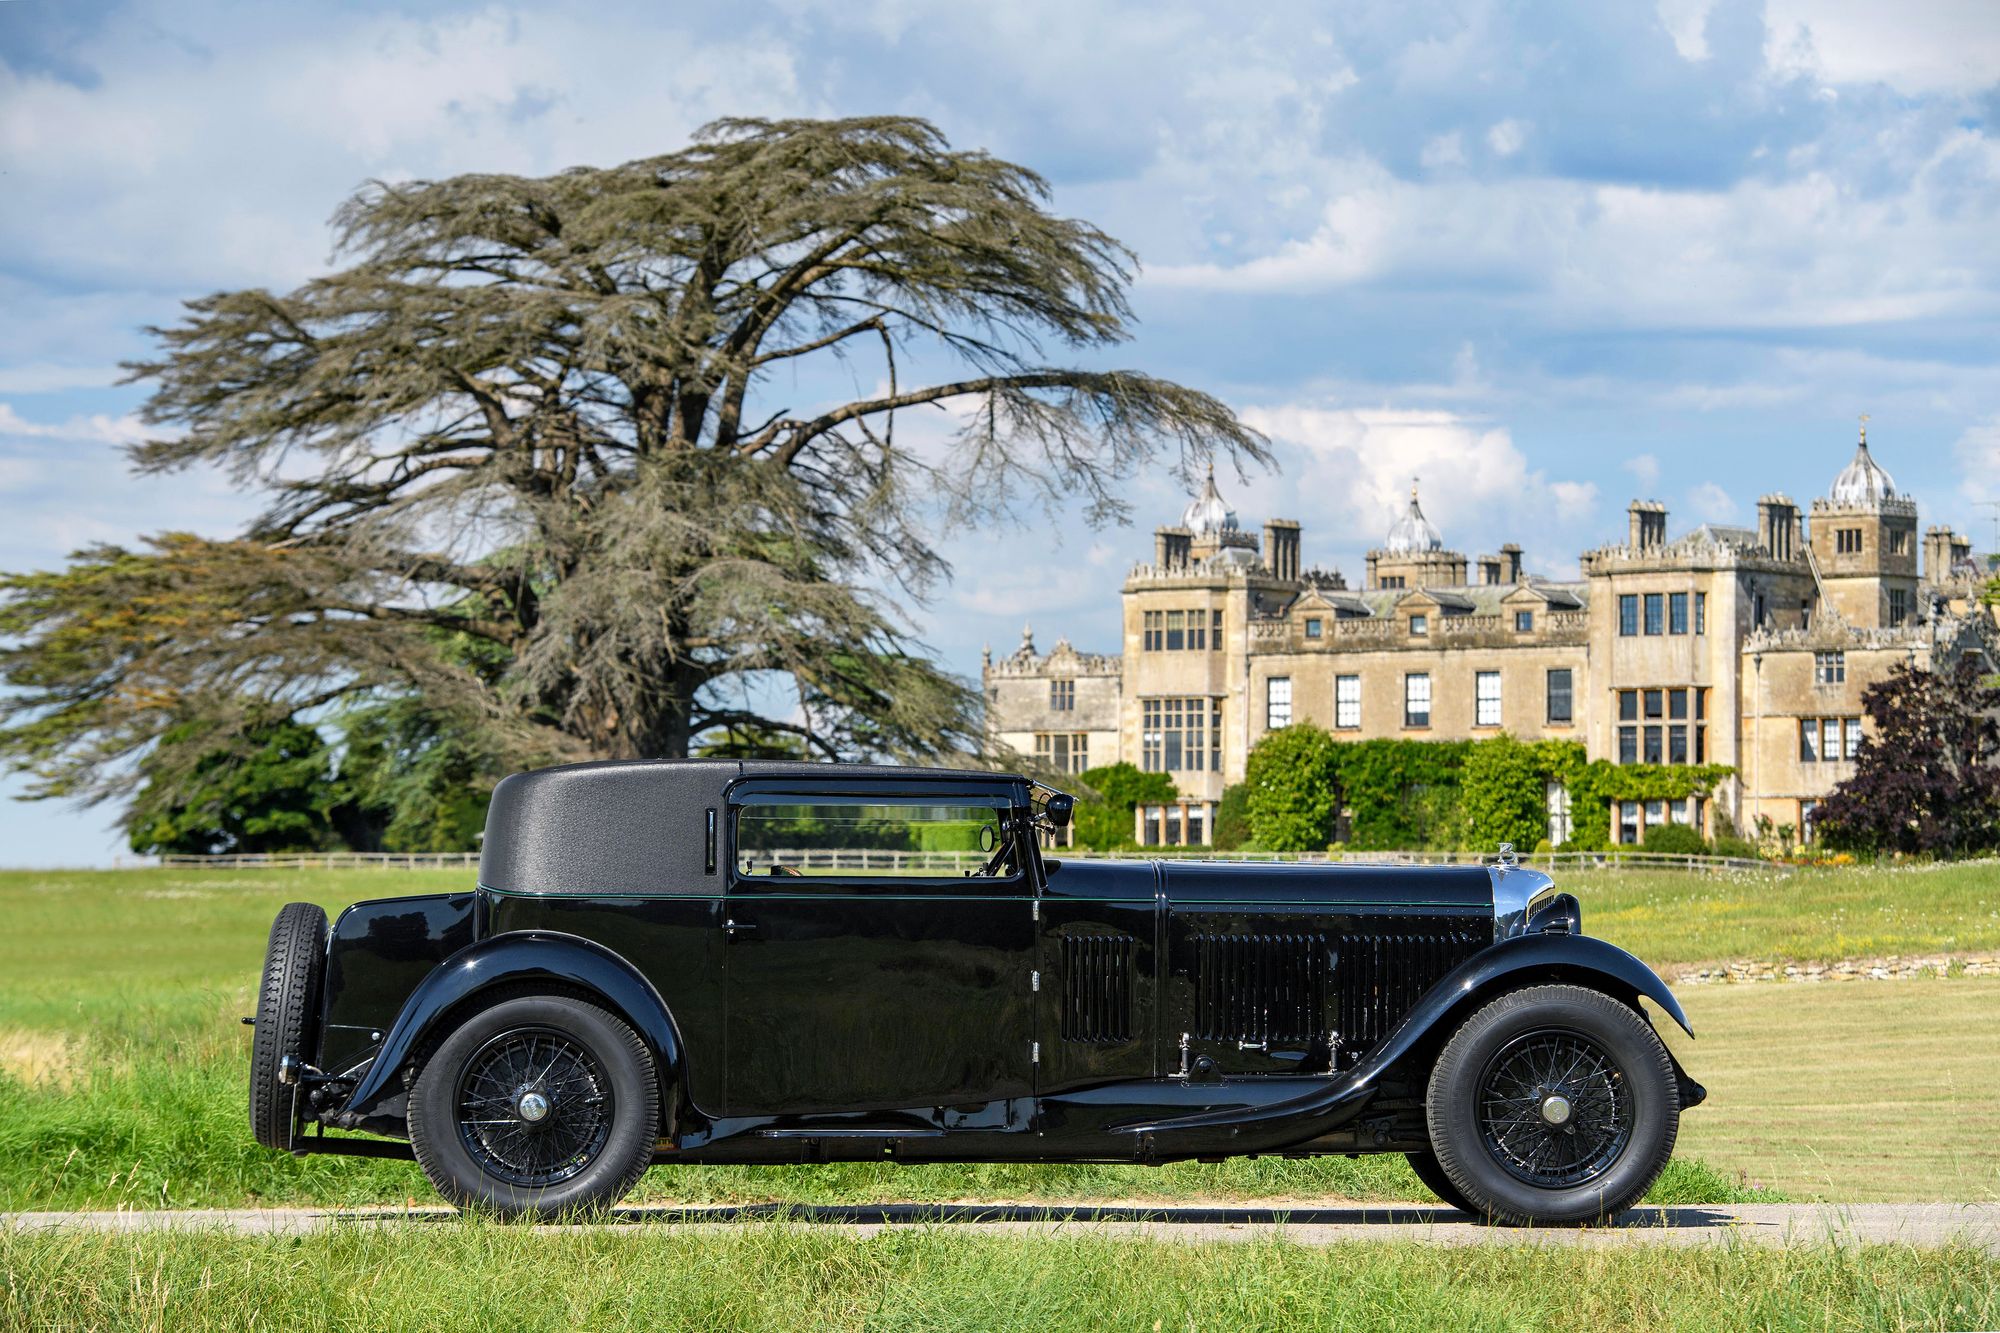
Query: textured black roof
{"x": 636, "y": 826}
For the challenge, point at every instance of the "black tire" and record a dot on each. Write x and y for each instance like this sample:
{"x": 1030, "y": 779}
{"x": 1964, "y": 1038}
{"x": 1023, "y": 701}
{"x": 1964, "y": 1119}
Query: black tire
{"x": 1495, "y": 1090}
{"x": 287, "y": 1017}
{"x": 1431, "y": 1173}
{"x": 594, "y": 1138}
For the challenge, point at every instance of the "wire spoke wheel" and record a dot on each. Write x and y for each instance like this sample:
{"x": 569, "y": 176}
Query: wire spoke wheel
{"x": 534, "y": 1107}
{"x": 1555, "y": 1110}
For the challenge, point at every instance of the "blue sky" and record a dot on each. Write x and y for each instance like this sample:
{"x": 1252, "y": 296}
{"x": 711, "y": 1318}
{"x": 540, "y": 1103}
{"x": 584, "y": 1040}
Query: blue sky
{"x": 1549, "y": 256}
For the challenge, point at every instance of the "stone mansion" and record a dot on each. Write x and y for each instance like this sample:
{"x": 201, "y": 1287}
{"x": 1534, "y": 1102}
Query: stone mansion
{"x": 1741, "y": 646}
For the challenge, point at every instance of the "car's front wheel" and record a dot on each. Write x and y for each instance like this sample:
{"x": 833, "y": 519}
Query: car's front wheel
{"x": 540, "y": 1106}
{"x": 1554, "y": 1105}
{"x": 1431, "y": 1173}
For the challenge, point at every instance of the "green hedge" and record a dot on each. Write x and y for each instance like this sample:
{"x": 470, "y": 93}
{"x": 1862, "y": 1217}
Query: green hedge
{"x": 1442, "y": 794}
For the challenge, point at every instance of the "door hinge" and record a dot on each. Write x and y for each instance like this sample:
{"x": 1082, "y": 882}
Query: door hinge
{"x": 1034, "y": 981}
{"x": 1035, "y": 1054}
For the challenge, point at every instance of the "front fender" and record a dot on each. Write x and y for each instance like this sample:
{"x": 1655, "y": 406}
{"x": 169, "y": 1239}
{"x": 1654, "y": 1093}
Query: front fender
{"x": 532, "y": 957}
{"x": 1523, "y": 960}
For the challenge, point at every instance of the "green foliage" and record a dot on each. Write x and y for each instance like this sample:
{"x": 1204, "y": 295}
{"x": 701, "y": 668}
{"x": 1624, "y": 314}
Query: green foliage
{"x": 1503, "y": 789}
{"x": 1594, "y": 786}
{"x": 1293, "y": 790}
{"x": 1232, "y": 819}
{"x": 1401, "y": 794}
{"x": 414, "y": 780}
{"x": 1442, "y": 795}
{"x": 1104, "y": 822}
{"x": 1731, "y": 843}
{"x": 1677, "y": 839}
{"x": 272, "y": 790}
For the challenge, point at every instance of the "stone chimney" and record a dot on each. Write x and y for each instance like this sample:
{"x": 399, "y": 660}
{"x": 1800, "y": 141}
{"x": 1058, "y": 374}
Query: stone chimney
{"x": 1648, "y": 522}
{"x": 1510, "y": 563}
{"x": 1944, "y": 551}
{"x": 1172, "y": 547}
{"x": 1489, "y": 569}
{"x": 1778, "y": 526}
{"x": 1281, "y": 547}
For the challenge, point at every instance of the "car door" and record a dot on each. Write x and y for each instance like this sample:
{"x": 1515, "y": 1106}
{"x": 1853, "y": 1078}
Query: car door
{"x": 860, "y": 978}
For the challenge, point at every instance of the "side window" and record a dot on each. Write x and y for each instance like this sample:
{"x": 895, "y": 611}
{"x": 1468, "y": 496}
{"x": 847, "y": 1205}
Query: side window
{"x": 855, "y": 837}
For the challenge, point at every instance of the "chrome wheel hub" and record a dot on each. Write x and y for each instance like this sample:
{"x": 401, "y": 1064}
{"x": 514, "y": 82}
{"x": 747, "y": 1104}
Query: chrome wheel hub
{"x": 532, "y": 1107}
{"x": 1556, "y": 1109}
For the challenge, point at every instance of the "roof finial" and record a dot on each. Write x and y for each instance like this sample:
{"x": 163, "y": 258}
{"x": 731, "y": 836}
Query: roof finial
{"x": 1864, "y": 430}
{"x": 1413, "y": 489}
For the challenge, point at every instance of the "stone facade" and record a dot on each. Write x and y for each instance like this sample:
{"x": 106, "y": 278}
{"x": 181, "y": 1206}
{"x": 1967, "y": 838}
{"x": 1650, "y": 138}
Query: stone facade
{"x": 1741, "y": 646}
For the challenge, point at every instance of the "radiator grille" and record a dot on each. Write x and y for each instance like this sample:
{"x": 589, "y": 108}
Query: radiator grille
{"x": 1097, "y": 988}
{"x": 1260, "y": 987}
{"x": 1381, "y": 977}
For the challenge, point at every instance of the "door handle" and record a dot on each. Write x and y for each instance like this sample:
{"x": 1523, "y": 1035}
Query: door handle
{"x": 731, "y": 927}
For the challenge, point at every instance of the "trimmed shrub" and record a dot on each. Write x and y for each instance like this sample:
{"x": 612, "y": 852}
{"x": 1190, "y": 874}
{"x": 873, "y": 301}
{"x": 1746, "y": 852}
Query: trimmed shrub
{"x": 1675, "y": 839}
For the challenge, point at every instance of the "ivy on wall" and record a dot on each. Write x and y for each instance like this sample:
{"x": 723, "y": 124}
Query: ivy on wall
{"x": 1442, "y": 794}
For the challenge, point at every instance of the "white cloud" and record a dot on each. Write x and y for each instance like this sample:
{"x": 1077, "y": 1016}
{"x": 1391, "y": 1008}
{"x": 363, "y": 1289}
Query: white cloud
{"x": 97, "y": 427}
{"x": 1446, "y": 150}
{"x": 1645, "y": 468}
{"x": 1685, "y": 21}
{"x": 1917, "y": 46}
{"x": 1977, "y": 456}
{"x": 1348, "y": 474}
{"x": 1811, "y": 251}
{"x": 218, "y": 159}
{"x": 1506, "y": 137}
{"x": 46, "y": 377}
{"x": 1711, "y": 503}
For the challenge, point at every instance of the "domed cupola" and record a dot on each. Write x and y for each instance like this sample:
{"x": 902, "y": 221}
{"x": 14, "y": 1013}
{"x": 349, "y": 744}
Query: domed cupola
{"x": 1208, "y": 515}
{"x": 1862, "y": 484}
{"x": 1413, "y": 534}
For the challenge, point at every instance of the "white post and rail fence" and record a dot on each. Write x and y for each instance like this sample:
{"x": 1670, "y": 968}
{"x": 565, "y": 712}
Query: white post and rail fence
{"x": 887, "y": 862}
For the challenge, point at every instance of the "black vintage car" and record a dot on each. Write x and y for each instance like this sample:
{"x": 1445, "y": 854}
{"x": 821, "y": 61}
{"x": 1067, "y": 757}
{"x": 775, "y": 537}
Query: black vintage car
{"x": 713, "y": 961}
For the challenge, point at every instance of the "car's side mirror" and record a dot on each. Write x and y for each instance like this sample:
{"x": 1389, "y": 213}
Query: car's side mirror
{"x": 1059, "y": 809}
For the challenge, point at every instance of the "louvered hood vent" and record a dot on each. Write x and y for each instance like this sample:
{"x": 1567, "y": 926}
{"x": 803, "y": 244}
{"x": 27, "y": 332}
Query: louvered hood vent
{"x": 1302, "y": 988}
{"x": 1381, "y": 977}
{"x": 1097, "y": 988}
{"x": 1260, "y": 988}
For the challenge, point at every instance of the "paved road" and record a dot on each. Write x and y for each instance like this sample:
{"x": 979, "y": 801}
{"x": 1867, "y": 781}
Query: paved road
{"x": 1772, "y": 1224}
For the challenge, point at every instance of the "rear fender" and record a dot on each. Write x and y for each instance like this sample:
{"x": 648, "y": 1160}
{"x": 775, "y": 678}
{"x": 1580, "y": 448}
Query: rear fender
{"x": 522, "y": 958}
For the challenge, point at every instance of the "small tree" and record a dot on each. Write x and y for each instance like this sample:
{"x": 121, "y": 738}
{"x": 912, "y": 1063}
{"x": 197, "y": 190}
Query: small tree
{"x": 1293, "y": 789}
{"x": 1232, "y": 819}
{"x": 271, "y": 790}
{"x": 1105, "y": 821}
{"x": 1504, "y": 794}
{"x": 1926, "y": 782}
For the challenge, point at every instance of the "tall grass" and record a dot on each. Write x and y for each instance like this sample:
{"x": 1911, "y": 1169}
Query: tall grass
{"x": 777, "y": 1276}
{"x": 151, "y": 1114}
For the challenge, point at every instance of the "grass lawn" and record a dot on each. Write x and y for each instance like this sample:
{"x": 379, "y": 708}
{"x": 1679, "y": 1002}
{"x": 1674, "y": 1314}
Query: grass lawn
{"x": 473, "y": 1276}
{"x": 1854, "y": 1091}
{"x": 122, "y": 1066}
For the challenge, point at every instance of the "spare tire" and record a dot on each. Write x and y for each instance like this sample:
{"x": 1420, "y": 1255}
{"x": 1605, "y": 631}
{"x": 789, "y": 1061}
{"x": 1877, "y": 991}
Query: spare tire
{"x": 287, "y": 1018}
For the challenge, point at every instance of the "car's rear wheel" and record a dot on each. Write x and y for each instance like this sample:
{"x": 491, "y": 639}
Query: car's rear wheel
{"x": 1554, "y": 1105}
{"x": 540, "y": 1106}
{"x": 287, "y": 1018}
